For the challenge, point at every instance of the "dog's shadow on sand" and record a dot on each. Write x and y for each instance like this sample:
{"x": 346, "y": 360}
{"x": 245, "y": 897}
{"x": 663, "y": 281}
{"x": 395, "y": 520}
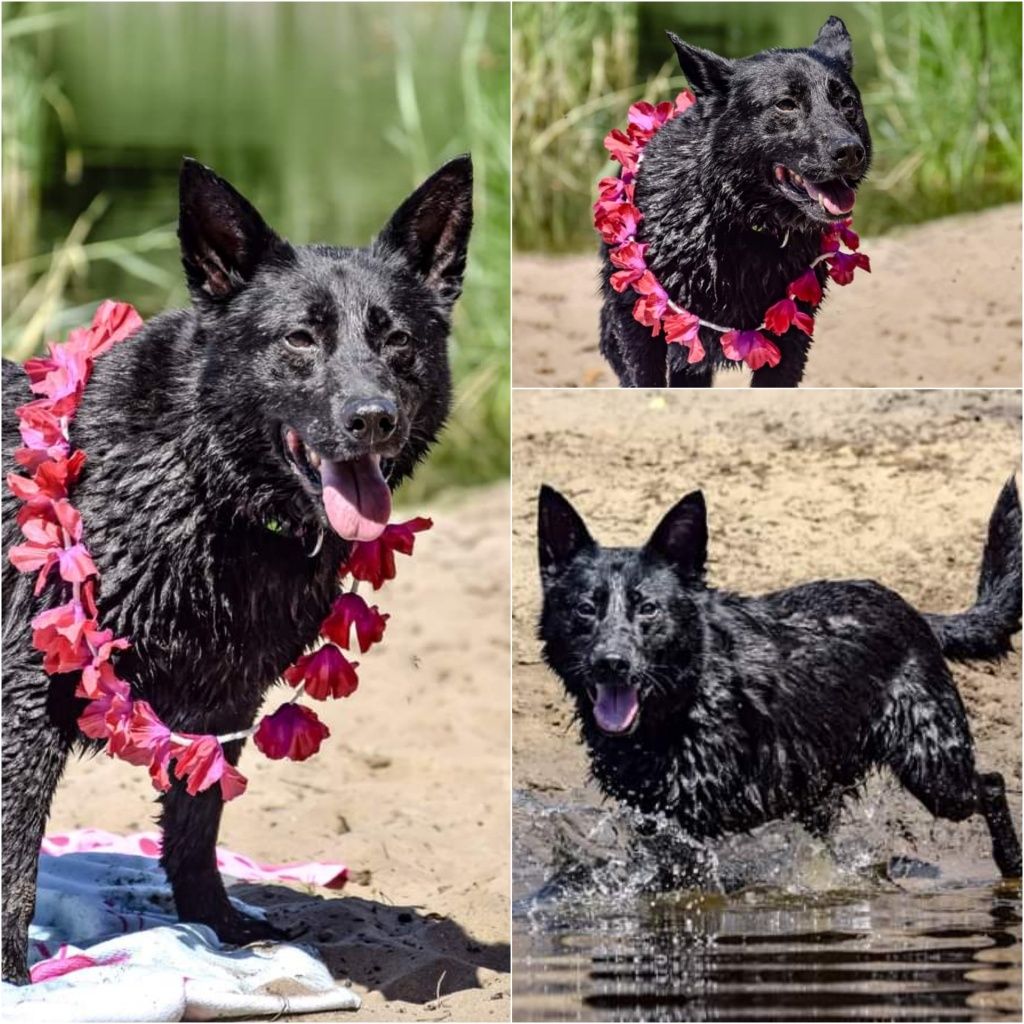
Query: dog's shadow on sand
{"x": 402, "y": 952}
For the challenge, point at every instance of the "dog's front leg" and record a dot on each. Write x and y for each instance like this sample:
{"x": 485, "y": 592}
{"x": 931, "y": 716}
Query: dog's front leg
{"x": 794, "y": 346}
{"x": 190, "y": 825}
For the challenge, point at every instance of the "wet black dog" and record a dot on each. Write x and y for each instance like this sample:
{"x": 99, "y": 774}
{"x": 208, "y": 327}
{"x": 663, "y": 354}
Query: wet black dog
{"x": 234, "y": 450}
{"x": 734, "y": 195}
{"x": 726, "y": 712}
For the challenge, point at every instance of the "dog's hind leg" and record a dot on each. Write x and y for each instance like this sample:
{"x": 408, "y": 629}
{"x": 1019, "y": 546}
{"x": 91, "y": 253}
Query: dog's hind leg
{"x": 1005, "y": 841}
{"x": 35, "y": 750}
{"x": 931, "y": 752}
{"x": 190, "y": 825}
{"x": 794, "y": 346}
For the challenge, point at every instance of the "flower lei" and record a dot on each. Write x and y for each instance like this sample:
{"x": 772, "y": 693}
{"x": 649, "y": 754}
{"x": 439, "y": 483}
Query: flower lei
{"x": 70, "y": 637}
{"x": 617, "y": 220}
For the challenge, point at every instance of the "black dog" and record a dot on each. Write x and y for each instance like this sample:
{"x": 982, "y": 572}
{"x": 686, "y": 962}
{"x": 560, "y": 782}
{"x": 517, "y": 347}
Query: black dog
{"x": 234, "y": 450}
{"x": 726, "y": 712}
{"x": 734, "y": 195}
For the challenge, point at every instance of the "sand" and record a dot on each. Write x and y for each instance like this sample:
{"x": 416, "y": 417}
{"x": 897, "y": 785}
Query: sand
{"x": 941, "y": 308}
{"x": 896, "y": 487}
{"x": 410, "y": 791}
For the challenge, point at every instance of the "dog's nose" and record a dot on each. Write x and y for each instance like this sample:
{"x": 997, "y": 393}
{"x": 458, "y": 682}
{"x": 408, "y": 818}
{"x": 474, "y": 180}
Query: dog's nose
{"x": 371, "y": 420}
{"x": 612, "y": 668}
{"x": 848, "y": 154}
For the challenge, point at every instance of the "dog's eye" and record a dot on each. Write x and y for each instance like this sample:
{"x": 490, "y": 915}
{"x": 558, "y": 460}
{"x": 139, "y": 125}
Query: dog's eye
{"x": 299, "y": 340}
{"x": 647, "y": 609}
{"x": 849, "y": 105}
{"x": 586, "y": 610}
{"x": 399, "y": 339}
{"x": 785, "y": 104}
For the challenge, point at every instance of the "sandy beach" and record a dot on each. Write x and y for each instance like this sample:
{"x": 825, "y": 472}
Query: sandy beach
{"x": 941, "y": 308}
{"x": 410, "y": 790}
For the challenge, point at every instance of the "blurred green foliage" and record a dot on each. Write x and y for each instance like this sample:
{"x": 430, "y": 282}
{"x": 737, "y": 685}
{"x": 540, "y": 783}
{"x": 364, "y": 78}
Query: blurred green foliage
{"x": 941, "y": 84}
{"x": 325, "y": 115}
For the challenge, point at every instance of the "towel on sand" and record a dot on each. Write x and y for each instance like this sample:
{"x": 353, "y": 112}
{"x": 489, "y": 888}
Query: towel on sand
{"x": 106, "y": 945}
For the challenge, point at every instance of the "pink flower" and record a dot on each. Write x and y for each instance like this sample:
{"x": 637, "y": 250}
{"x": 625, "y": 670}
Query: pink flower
{"x": 292, "y": 731}
{"x": 683, "y": 328}
{"x": 784, "y": 314}
{"x": 63, "y": 374}
{"x": 751, "y": 347}
{"x": 806, "y": 288}
{"x": 843, "y": 264}
{"x": 67, "y": 638}
{"x": 646, "y": 118}
{"x": 202, "y": 763}
{"x": 351, "y": 610}
{"x": 649, "y": 309}
{"x": 108, "y": 716}
{"x": 148, "y": 738}
{"x": 373, "y": 561}
{"x": 41, "y": 428}
{"x": 622, "y": 148}
{"x": 619, "y": 223}
{"x": 684, "y": 101}
{"x": 326, "y": 673}
{"x": 630, "y": 259}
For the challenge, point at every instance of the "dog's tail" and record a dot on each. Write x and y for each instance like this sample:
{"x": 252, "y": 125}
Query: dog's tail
{"x": 984, "y": 630}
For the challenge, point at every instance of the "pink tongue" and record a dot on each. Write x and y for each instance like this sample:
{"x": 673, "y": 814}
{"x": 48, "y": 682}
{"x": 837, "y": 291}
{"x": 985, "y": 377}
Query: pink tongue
{"x": 836, "y": 196}
{"x": 616, "y": 707}
{"x": 356, "y": 497}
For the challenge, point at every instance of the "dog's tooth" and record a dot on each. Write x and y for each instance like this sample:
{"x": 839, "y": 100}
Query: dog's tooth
{"x": 313, "y": 458}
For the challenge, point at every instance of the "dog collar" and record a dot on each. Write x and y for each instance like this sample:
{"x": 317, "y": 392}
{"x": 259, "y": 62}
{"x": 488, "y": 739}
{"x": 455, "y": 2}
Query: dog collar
{"x": 617, "y": 220}
{"x": 70, "y": 637}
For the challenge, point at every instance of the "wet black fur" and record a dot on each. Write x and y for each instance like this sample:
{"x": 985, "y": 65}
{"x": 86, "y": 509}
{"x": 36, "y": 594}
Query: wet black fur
{"x": 181, "y": 426}
{"x": 714, "y": 216}
{"x": 760, "y": 708}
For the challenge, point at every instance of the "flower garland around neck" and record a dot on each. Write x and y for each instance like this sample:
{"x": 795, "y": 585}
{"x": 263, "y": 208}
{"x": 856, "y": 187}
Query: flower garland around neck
{"x": 72, "y": 640}
{"x": 617, "y": 220}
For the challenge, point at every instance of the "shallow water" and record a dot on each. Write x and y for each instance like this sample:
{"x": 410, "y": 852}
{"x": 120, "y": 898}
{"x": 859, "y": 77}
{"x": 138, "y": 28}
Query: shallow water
{"x": 799, "y": 935}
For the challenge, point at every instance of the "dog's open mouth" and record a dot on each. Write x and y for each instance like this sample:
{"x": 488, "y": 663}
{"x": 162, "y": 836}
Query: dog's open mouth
{"x": 356, "y": 497}
{"x": 616, "y": 708}
{"x": 835, "y": 197}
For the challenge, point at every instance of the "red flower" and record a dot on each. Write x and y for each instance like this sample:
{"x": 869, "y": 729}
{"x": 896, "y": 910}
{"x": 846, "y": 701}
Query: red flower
{"x": 202, "y": 763}
{"x": 618, "y": 223}
{"x": 683, "y": 328}
{"x": 52, "y": 478}
{"x": 784, "y": 314}
{"x": 840, "y": 233}
{"x": 148, "y": 738}
{"x": 630, "y": 259}
{"x": 843, "y": 264}
{"x": 292, "y": 731}
{"x": 41, "y": 431}
{"x": 112, "y": 322}
{"x": 326, "y": 673}
{"x": 373, "y": 561}
{"x": 63, "y": 374}
{"x": 646, "y": 118}
{"x": 611, "y": 190}
{"x": 622, "y": 148}
{"x": 351, "y": 610}
{"x": 806, "y": 288}
{"x": 751, "y": 347}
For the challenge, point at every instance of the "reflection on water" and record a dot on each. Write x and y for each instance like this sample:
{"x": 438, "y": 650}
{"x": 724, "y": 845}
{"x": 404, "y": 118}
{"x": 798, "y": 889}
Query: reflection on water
{"x": 788, "y": 935}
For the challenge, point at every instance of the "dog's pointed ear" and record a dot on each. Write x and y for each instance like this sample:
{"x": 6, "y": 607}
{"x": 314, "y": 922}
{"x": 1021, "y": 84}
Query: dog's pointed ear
{"x": 223, "y": 237}
{"x": 430, "y": 230}
{"x": 833, "y": 41}
{"x": 707, "y": 72}
{"x": 681, "y": 538}
{"x": 561, "y": 533}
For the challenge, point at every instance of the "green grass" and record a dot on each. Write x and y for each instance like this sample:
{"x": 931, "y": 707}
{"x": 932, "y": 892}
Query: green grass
{"x": 941, "y": 85}
{"x": 325, "y": 115}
